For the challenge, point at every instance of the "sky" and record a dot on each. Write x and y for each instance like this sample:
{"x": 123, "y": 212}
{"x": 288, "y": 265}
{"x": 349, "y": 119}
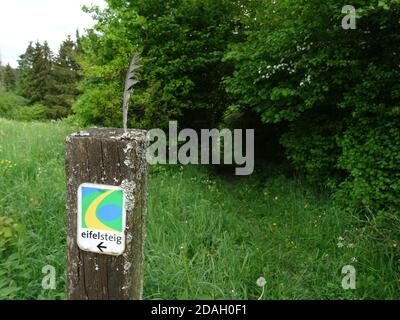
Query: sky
{"x": 22, "y": 21}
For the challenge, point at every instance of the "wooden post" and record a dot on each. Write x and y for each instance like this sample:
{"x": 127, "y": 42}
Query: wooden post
{"x": 115, "y": 158}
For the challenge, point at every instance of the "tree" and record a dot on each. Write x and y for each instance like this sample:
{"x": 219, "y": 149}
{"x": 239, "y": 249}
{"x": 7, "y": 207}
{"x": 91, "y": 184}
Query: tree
{"x": 35, "y": 67}
{"x": 9, "y": 78}
{"x": 65, "y": 77}
{"x": 182, "y": 44}
{"x": 333, "y": 90}
{"x": 41, "y": 80}
{"x": 25, "y": 63}
{"x": 50, "y": 80}
{"x": 78, "y": 44}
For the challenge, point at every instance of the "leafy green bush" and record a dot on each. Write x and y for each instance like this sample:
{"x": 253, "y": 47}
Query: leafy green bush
{"x": 99, "y": 105}
{"x": 336, "y": 91}
{"x": 9, "y": 233}
{"x": 182, "y": 44}
{"x": 371, "y": 143}
{"x": 30, "y": 113}
{"x": 372, "y": 157}
{"x": 312, "y": 148}
{"x": 57, "y": 112}
{"x": 8, "y": 102}
{"x": 13, "y": 106}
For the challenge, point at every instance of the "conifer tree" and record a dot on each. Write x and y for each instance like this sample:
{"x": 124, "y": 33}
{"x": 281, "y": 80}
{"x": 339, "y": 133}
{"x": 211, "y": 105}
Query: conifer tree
{"x": 36, "y": 72}
{"x": 41, "y": 73}
{"x": 9, "y": 78}
{"x": 25, "y": 63}
{"x": 65, "y": 77}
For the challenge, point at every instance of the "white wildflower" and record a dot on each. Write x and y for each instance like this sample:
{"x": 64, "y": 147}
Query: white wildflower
{"x": 261, "y": 282}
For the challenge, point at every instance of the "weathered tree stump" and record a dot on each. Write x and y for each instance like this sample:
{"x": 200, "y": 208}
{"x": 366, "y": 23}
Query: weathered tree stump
{"x": 108, "y": 157}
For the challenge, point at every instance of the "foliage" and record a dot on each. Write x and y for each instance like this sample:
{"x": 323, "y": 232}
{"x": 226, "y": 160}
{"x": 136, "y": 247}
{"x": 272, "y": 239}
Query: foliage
{"x": 35, "y": 66}
{"x": 31, "y": 113}
{"x": 371, "y": 143}
{"x": 335, "y": 90}
{"x": 181, "y": 43}
{"x": 9, "y": 78}
{"x": 10, "y": 232}
{"x": 65, "y": 76}
{"x": 207, "y": 237}
{"x": 329, "y": 95}
{"x": 1, "y": 74}
{"x": 32, "y": 194}
{"x": 13, "y": 106}
{"x": 8, "y": 102}
{"x": 48, "y": 79}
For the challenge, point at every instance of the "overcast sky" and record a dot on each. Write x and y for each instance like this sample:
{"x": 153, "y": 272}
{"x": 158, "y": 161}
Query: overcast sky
{"x": 22, "y": 21}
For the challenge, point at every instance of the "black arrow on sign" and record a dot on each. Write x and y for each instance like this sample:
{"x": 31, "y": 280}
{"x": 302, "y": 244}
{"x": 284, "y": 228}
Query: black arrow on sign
{"x": 101, "y": 247}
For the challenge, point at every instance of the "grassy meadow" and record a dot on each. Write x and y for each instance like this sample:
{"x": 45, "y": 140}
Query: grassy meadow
{"x": 208, "y": 237}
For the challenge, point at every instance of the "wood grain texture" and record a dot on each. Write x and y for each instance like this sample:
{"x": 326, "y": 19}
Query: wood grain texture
{"x": 110, "y": 157}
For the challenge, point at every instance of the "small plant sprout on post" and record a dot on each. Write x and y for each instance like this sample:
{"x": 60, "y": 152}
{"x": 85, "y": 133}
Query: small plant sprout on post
{"x": 107, "y": 181}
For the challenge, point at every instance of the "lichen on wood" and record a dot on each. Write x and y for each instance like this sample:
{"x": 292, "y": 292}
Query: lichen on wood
{"x": 98, "y": 156}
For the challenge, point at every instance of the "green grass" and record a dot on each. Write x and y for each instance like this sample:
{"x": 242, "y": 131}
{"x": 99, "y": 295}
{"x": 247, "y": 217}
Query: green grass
{"x": 208, "y": 238}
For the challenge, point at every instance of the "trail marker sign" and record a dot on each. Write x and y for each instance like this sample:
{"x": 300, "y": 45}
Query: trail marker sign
{"x": 101, "y": 219}
{"x": 107, "y": 176}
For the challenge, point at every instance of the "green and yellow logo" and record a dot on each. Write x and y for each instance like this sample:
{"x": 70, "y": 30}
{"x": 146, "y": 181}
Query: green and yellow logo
{"x": 102, "y": 209}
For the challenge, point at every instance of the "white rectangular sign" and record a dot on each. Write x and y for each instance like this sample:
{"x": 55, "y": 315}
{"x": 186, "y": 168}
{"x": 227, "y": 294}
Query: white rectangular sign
{"x": 101, "y": 219}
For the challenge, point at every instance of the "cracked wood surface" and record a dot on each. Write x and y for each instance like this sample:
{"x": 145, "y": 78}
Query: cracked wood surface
{"x": 101, "y": 156}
